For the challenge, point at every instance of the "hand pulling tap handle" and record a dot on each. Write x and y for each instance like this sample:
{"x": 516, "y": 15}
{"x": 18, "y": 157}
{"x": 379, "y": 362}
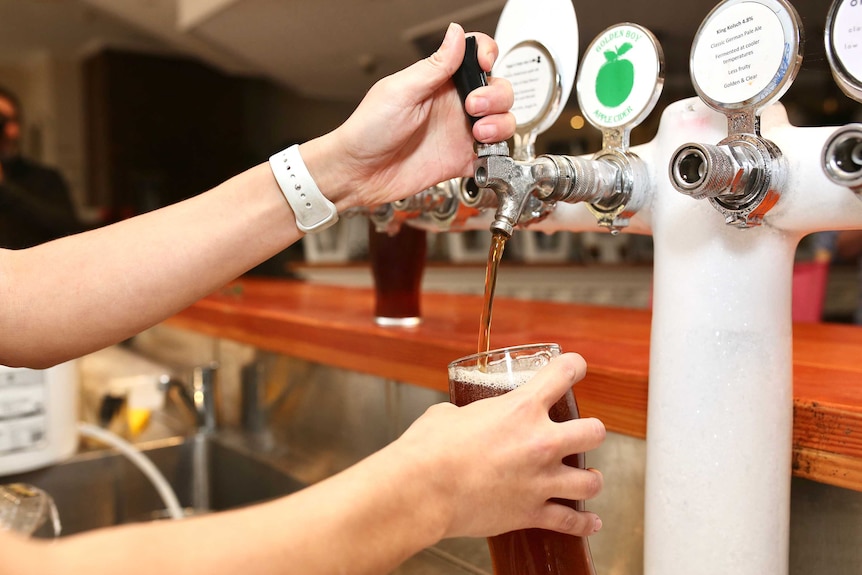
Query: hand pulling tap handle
{"x": 470, "y": 74}
{"x": 389, "y": 217}
{"x": 467, "y": 78}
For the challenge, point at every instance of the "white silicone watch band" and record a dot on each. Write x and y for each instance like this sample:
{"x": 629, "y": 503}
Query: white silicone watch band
{"x": 313, "y": 211}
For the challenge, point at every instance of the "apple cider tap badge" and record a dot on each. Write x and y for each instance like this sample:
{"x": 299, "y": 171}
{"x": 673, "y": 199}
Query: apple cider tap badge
{"x": 621, "y": 77}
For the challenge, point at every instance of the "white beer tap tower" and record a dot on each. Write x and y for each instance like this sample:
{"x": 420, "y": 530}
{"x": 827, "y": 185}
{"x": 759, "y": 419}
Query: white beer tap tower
{"x": 727, "y": 188}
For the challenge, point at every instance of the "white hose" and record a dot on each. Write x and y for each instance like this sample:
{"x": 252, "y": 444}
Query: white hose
{"x": 141, "y": 461}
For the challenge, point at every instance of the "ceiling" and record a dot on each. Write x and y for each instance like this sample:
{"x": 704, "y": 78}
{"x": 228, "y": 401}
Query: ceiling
{"x": 332, "y": 49}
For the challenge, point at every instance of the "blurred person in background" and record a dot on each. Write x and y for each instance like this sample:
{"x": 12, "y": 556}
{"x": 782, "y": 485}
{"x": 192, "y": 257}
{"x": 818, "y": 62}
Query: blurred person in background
{"x": 35, "y": 203}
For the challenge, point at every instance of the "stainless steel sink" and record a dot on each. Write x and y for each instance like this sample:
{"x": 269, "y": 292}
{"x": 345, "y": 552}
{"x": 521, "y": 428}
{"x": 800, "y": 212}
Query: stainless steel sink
{"x": 208, "y": 473}
{"x": 103, "y": 488}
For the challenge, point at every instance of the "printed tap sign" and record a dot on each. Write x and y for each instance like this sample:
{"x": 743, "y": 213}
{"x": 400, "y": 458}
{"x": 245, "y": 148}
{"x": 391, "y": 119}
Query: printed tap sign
{"x": 533, "y": 75}
{"x": 619, "y": 76}
{"x": 739, "y": 52}
{"x": 847, "y": 37}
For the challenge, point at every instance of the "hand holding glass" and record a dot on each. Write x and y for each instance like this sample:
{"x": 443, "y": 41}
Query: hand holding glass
{"x": 494, "y": 373}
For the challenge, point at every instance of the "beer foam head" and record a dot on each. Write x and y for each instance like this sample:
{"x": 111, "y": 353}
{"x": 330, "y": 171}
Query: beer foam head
{"x": 503, "y": 369}
{"x": 500, "y": 380}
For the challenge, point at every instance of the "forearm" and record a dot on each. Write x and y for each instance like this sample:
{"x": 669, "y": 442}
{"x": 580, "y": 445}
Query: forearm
{"x": 75, "y": 295}
{"x": 108, "y": 284}
{"x": 364, "y": 521}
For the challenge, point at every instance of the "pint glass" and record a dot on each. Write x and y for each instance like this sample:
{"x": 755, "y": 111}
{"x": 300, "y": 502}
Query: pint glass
{"x": 397, "y": 265}
{"x": 528, "y": 551}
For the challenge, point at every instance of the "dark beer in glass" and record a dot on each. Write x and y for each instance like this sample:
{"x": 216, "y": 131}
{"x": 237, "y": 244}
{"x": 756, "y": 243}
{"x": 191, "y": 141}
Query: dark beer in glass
{"x": 527, "y": 551}
{"x": 397, "y": 265}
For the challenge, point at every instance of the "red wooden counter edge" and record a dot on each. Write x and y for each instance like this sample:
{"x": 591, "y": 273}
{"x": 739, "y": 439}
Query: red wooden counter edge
{"x": 333, "y": 326}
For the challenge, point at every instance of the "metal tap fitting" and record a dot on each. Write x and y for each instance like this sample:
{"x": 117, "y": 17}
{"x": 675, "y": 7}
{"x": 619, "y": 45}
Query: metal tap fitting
{"x": 842, "y": 157}
{"x": 512, "y": 181}
{"x": 526, "y": 187}
{"x": 741, "y": 176}
{"x": 526, "y": 191}
{"x": 437, "y": 207}
{"x": 475, "y": 197}
{"x": 744, "y": 174}
{"x": 608, "y": 183}
{"x": 439, "y": 203}
{"x": 842, "y": 153}
{"x": 383, "y": 218}
{"x": 571, "y": 179}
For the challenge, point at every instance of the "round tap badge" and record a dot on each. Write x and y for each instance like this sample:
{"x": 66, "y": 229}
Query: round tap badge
{"x": 621, "y": 77}
{"x": 844, "y": 45}
{"x": 746, "y": 53}
{"x": 540, "y": 48}
{"x": 532, "y": 72}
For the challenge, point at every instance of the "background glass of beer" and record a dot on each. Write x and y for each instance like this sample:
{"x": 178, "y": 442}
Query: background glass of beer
{"x": 528, "y": 551}
{"x": 397, "y": 264}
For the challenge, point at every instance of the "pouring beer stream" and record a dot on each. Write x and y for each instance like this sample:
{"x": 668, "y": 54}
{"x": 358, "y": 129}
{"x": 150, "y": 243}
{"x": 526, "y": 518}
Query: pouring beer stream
{"x": 469, "y": 77}
{"x": 526, "y": 551}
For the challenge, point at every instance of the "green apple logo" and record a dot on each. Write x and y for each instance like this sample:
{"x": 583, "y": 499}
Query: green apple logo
{"x": 616, "y": 78}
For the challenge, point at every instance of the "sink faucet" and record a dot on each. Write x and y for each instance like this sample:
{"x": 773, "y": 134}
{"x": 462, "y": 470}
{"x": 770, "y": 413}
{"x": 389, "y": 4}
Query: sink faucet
{"x": 199, "y": 397}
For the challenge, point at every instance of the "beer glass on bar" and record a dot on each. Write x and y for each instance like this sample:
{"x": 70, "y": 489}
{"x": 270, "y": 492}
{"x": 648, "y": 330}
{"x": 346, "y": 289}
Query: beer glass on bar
{"x": 397, "y": 266}
{"x": 528, "y": 551}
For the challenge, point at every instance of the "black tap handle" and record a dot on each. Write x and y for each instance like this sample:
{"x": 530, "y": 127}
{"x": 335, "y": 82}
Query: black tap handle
{"x": 470, "y": 74}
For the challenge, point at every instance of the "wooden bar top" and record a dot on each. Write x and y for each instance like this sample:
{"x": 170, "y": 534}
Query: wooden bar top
{"x": 334, "y": 326}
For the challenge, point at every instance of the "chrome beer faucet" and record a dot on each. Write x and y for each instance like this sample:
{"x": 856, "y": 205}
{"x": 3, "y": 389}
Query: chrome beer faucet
{"x": 614, "y": 182}
{"x": 744, "y": 174}
{"x": 619, "y": 83}
{"x": 842, "y": 153}
{"x": 438, "y": 208}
